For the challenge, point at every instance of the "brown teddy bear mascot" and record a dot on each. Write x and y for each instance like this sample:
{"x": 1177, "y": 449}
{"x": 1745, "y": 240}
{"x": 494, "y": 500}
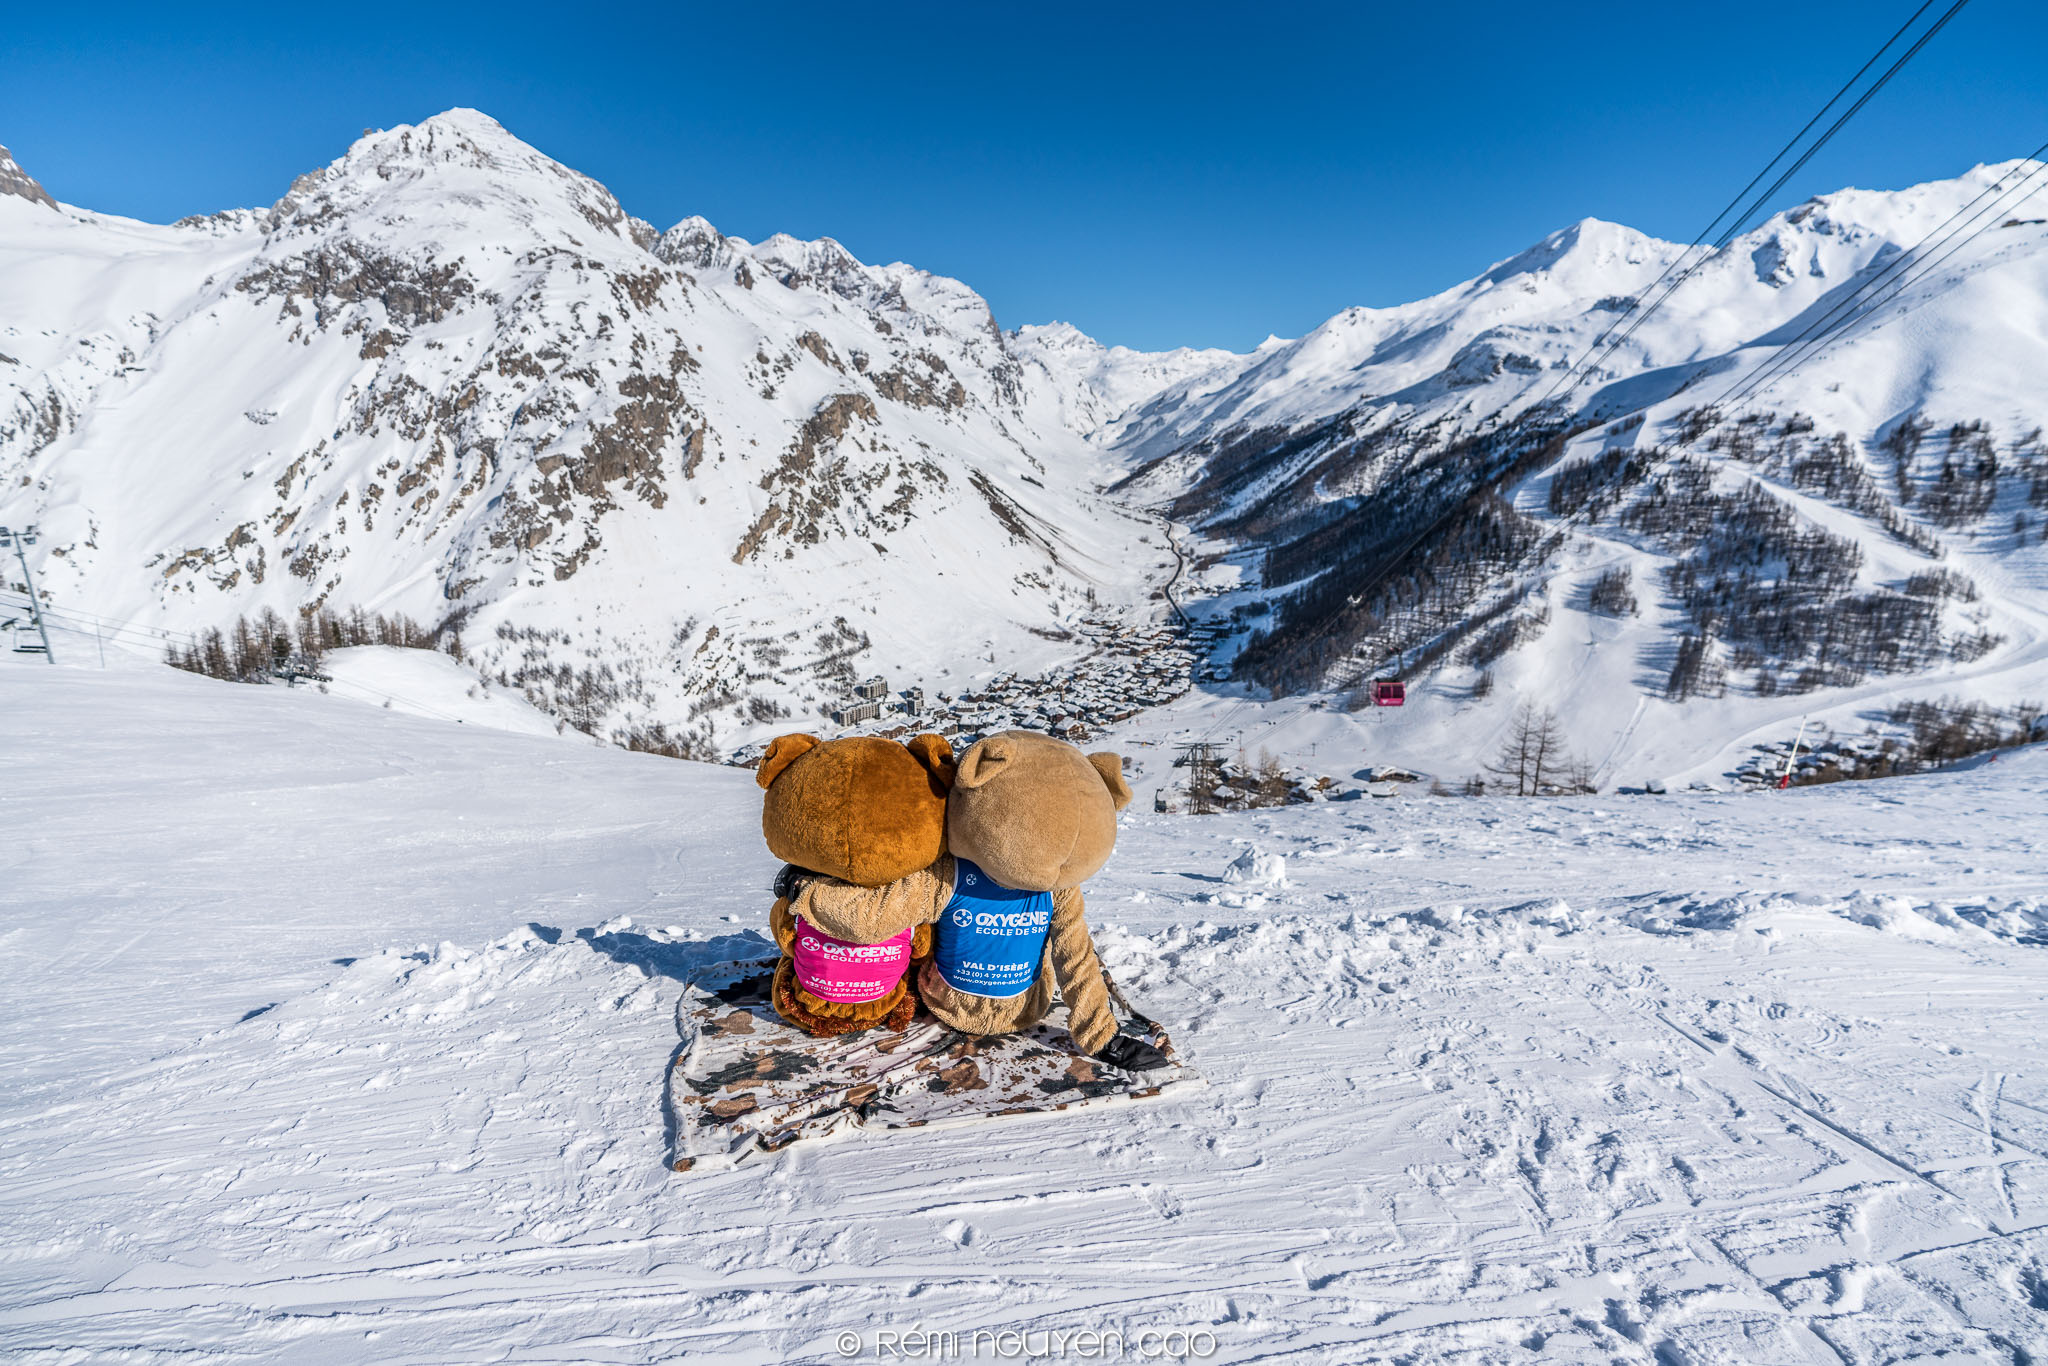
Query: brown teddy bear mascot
{"x": 848, "y": 817}
{"x": 1029, "y": 819}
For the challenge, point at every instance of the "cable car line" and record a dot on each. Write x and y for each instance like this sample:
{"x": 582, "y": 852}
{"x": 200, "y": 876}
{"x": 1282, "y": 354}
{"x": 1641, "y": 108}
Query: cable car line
{"x": 1637, "y": 315}
{"x": 1387, "y": 567}
{"x": 1833, "y": 325}
{"x": 1636, "y": 300}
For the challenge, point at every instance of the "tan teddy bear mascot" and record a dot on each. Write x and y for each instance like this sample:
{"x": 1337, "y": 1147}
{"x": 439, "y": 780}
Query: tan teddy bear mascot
{"x": 847, "y": 817}
{"x": 1028, "y": 820}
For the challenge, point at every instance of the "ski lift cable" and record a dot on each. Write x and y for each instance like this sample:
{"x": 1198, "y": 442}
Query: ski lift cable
{"x": 1641, "y": 316}
{"x": 1635, "y": 301}
{"x": 1915, "y": 261}
{"x": 155, "y": 635}
{"x": 158, "y": 636}
{"x": 1638, "y": 315}
{"x": 158, "y": 633}
{"x": 1904, "y": 271}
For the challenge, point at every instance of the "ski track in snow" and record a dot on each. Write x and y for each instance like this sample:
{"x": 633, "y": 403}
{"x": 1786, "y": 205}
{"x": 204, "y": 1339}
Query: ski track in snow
{"x": 337, "y": 1035}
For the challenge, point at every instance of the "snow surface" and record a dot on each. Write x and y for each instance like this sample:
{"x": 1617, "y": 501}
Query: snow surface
{"x": 429, "y": 683}
{"x": 338, "y": 1034}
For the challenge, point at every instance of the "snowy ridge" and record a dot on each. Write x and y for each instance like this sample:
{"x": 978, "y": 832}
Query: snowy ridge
{"x": 1097, "y": 384}
{"x": 1498, "y": 341}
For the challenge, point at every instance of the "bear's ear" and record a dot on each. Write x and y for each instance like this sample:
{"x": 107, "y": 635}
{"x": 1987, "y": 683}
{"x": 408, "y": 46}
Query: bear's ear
{"x": 1112, "y": 770}
{"x": 783, "y": 751}
{"x": 936, "y": 755}
{"x": 983, "y": 762}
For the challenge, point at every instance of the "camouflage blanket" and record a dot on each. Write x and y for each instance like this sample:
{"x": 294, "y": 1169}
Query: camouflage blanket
{"x": 744, "y": 1083}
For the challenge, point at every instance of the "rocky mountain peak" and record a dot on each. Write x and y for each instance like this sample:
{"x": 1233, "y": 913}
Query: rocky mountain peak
{"x": 443, "y": 167}
{"x": 1059, "y": 337}
{"x": 694, "y": 242}
{"x": 17, "y": 182}
{"x": 822, "y": 264}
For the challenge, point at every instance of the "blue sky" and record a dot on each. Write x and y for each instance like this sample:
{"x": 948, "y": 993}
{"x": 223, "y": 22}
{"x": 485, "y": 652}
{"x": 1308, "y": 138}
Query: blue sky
{"x": 1158, "y": 175}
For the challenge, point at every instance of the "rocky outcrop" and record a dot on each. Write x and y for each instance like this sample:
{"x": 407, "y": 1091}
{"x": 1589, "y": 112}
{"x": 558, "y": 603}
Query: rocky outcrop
{"x": 20, "y": 184}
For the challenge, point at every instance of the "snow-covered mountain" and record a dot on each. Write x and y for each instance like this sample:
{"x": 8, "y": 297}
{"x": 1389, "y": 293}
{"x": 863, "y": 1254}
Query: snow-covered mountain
{"x": 1421, "y": 491}
{"x": 1496, "y": 343}
{"x": 672, "y": 476}
{"x": 1095, "y": 385}
{"x": 681, "y": 477}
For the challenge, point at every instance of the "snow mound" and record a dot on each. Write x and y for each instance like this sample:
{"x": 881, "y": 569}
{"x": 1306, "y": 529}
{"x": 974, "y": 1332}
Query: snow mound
{"x": 1256, "y": 867}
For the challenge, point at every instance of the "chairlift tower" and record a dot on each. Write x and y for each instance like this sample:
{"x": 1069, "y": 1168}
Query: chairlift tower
{"x": 1205, "y": 770}
{"x": 20, "y": 541}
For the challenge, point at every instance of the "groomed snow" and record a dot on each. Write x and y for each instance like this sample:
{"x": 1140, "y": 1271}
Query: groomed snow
{"x": 335, "y": 1034}
{"x": 429, "y": 683}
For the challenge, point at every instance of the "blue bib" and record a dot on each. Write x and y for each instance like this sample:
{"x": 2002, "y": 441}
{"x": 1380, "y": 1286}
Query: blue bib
{"x": 990, "y": 938}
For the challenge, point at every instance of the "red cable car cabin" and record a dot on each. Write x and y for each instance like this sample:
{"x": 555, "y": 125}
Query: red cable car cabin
{"x": 1389, "y": 692}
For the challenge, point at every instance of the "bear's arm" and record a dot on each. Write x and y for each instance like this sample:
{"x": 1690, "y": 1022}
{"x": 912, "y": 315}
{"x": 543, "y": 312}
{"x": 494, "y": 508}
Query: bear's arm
{"x": 1079, "y": 973}
{"x": 782, "y": 925}
{"x": 868, "y": 915}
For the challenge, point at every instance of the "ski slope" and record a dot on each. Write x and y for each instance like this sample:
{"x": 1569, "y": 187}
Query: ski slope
{"x": 338, "y": 1034}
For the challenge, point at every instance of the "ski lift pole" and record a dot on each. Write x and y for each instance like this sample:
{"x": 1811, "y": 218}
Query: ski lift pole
{"x": 1785, "y": 778}
{"x": 21, "y": 540}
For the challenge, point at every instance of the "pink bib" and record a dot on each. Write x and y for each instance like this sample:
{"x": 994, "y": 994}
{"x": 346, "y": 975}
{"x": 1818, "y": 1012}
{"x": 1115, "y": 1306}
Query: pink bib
{"x": 835, "y": 970}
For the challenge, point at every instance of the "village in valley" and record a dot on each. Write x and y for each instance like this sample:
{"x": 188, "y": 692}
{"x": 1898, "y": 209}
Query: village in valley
{"x": 1129, "y": 668}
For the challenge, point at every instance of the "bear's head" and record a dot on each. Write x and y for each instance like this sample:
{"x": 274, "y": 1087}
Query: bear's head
{"x": 1033, "y": 812}
{"x": 861, "y": 809}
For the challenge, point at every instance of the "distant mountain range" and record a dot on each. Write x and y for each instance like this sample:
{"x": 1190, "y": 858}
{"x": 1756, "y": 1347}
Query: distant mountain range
{"x": 681, "y": 477}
